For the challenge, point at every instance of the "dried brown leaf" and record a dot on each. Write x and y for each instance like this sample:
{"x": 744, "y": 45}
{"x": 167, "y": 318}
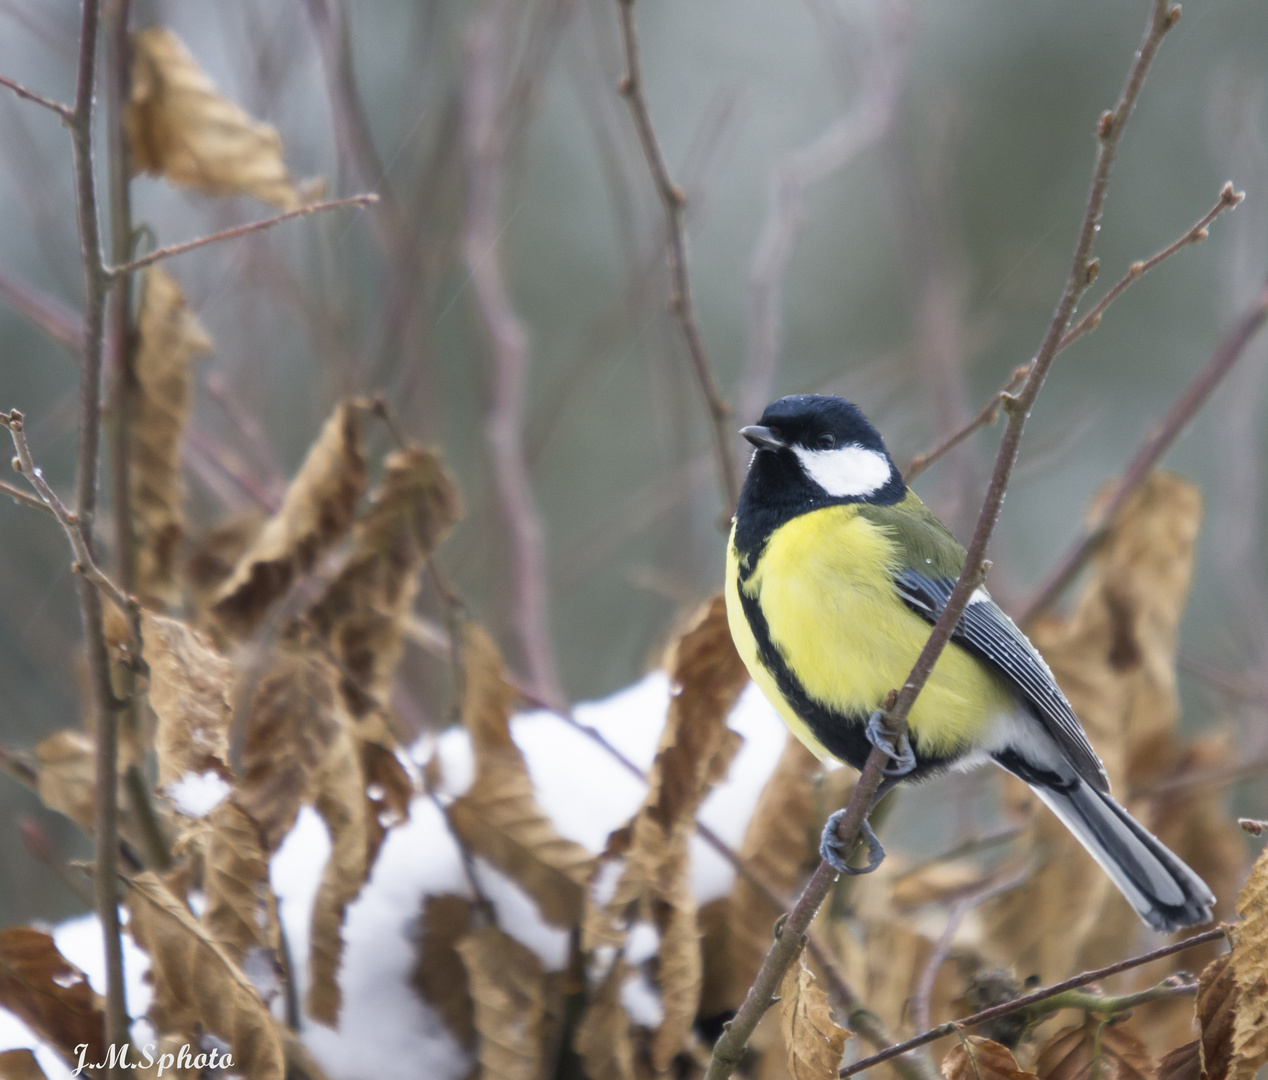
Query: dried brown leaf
{"x": 48, "y": 993}
{"x": 1249, "y": 962}
{"x": 1097, "y": 1050}
{"x": 317, "y": 510}
{"x": 439, "y": 974}
{"x": 1216, "y": 1013}
{"x": 363, "y": 610}
{"x": 507, "y": 988}
{"x": 197, "y": 986}
{"x": 1182, "y": 1063}
{"x": 213, "y": 557}
{"x": 170, "y": 336}
{"x": 498, "y": 817}
{"x": 20, "y": 1065}
{"x": 189, "y": 691}
{"x": 779, "y": 843}
{"x": 67, "y": 775}
{"x": 813, "y": 1042}
{"x": 976, "y": 1058}
{"x": 602, "y": 1039}
{"x": 291, "y": 725}
{"x": 241, "y": 913}
{"x": 179, "y": 125}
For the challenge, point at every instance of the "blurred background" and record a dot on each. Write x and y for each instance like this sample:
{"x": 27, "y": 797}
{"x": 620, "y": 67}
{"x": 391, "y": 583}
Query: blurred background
{"x": 881, "y": 201}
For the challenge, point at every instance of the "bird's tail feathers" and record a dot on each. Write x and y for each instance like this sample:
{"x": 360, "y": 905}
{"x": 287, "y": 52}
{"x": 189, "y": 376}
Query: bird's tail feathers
{"x": 1162, "y": 889}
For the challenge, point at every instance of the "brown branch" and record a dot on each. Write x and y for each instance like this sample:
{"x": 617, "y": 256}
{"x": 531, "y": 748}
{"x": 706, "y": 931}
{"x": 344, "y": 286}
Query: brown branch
{"x": 365, "y": 199}
{"x": 1164, "y": 433}
{"x": 1027, "y": 1000}
{"x": 985, "y": 418}
{"x": 731, "y": 1046}
{"x": 64, "y": 111}
{"x": 1227, "y": 200}
{"x": 674, "y": 203}
{"x": 484, "y": 143}
{"x": 25, "y": 498}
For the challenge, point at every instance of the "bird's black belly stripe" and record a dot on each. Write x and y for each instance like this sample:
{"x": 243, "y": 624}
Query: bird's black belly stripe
{"x": 843, "y": 736}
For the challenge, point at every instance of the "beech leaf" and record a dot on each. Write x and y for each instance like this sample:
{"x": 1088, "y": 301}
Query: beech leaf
{"x": 813, "y": 1042}
{"x": 977, "y": 1058}
{"x": 48, "y": 993}
{"x": 507, "y": 988}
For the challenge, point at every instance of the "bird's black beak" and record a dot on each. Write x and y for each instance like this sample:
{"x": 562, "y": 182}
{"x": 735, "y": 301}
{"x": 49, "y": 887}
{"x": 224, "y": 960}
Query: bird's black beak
{"x": 764, "y": 438}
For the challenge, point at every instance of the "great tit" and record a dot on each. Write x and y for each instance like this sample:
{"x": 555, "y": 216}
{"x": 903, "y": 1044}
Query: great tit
{"x": 835, "y": 573}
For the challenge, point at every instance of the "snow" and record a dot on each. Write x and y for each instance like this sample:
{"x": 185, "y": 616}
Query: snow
{"x": 197, "y": 794}
{"x": 385, "y": 1031}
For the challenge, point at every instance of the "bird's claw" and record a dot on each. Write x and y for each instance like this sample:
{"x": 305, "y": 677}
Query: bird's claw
{"x": 833, "y": 851}
{"x": 898, "y": 750}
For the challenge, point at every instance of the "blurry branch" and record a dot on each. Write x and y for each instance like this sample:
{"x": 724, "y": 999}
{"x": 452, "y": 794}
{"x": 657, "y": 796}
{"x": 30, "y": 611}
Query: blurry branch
{"x": 923, "y": 998}
{"x": 1165, "y": 432}
{"x": 50, "y": 315}
{"x": 833, "y": 149}
{"x": 731, "y": 1046}
{"x": 85, "y": 564}
{"x": 364, "y": 199}
{"x": 674, "y": 203}
{"x": 1238, "y": 686}
{"x": 990, "y": 411}
{"x": 1090, "y": 1002}
{"x": 65, "y": 112}
{"x": 18, "y": 495}
{"x": 985, "y": 418}
{"x": 484, "y": 143}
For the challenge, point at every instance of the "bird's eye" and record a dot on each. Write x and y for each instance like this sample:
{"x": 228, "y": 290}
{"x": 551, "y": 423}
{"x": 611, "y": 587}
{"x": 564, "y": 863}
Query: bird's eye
{"x": 826, "y": 441}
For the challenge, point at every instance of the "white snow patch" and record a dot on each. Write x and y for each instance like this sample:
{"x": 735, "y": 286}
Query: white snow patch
{"x": 197, "y": 794}
{"x": 642, "y": 943}
{"x": 642, "y": 1000}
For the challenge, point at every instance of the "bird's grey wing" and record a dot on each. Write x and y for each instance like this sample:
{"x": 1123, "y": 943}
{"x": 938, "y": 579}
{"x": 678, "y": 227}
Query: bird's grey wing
{"x": 988, "y": 633}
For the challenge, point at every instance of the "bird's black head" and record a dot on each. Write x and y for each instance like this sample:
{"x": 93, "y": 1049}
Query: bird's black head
{"x": 813, "y": 450}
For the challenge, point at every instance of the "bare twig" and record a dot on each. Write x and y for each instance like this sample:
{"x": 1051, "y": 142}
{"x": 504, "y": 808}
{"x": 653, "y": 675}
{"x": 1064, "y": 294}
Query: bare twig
{"x": 364, "y": 199}
{"x": 23, "y": 497}
{"x": 985, "y": 418}
{"x": 1227, "y": 200}
{"x": 1035, "y": 998}
{"x": 730, "y": 1047}
{"x": 85, "y": 564}
{"x": 64, "y": 111}
{"x": 50, "y": 315}
{"x": 674, "y": 203}
{"x": 1164, "y": 433}
{"x": 484, "y": 141}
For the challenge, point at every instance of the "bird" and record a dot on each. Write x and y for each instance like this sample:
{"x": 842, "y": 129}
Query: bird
{"x": 835, "y": 573}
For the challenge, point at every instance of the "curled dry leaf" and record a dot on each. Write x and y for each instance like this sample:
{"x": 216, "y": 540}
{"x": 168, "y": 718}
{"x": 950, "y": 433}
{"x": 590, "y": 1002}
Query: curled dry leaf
{"x": 778, "y": 844}
{"x": 189, "y": 692}
{"x": 602, "y": 1039}
{"x": 1114, "y": 657}
{"x": 1249, "y": 962}
{"x": 976, "y": 1058}
{"x": 813, "y": 1042}
{"x": 178, "y": 125}
{"x": 48, "y": 993}
{"x": 67, "y": 775}
{"x": 241, "y": 913}
{"x": 170, "y": 336}
{"x": 363, "y": 610}
{"x": 316, "y": 512}
{"x": 439, "y": 974}
{"x": 1216, "y": 1013}
{"x": 197, "y": 986}
{"x": 20, "y": 1065}
{"x": 498, "y": 817}
{"x": 507, "y": 988}
{"x": 1096, "y": 1050}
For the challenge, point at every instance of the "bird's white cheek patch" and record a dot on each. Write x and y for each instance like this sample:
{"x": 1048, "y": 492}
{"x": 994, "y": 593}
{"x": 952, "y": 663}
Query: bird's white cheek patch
{"x": 847, "y": 471}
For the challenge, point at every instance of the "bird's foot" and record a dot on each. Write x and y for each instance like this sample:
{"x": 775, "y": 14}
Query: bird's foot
{"x": 834, "y": 853}
{"x": 898, "y": 750}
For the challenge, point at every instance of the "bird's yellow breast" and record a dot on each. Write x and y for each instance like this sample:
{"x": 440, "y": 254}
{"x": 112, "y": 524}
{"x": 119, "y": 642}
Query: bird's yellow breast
{"x": 824, "y": 584}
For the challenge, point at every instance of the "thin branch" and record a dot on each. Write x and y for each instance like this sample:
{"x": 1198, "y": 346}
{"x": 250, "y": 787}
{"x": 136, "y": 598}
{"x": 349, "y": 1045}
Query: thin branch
{"x": 1027, "y": 1000}
{"x": 1240, "y": 687}
{"x": 731, "y": 1046}
{"x": 985, "y": 418}
{"x": 674, "y": 203}
{"x": 484, "y": 141}
{"x": 1164, "y": 433}
{"x": 23, "y": 497}
{"x": 1227, "y": 200}
{"x": 365, "y": 199}
{"x": 64, "y": 111}
{"x": 49, "y": 314}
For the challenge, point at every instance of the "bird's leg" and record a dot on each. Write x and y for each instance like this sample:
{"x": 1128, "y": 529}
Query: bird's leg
{"x": 834, "y": 853}
{"x": 898, "y": 750}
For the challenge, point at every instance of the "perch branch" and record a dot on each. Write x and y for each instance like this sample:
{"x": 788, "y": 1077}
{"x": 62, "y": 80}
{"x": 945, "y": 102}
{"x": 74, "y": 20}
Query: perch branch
{"x": 1035, "y": 998}
{"x": 731, "y": 1046}
{"x": 1157, "y": 443}
{"x": 674, "y": 203}
{"x": 364, "y": 199}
